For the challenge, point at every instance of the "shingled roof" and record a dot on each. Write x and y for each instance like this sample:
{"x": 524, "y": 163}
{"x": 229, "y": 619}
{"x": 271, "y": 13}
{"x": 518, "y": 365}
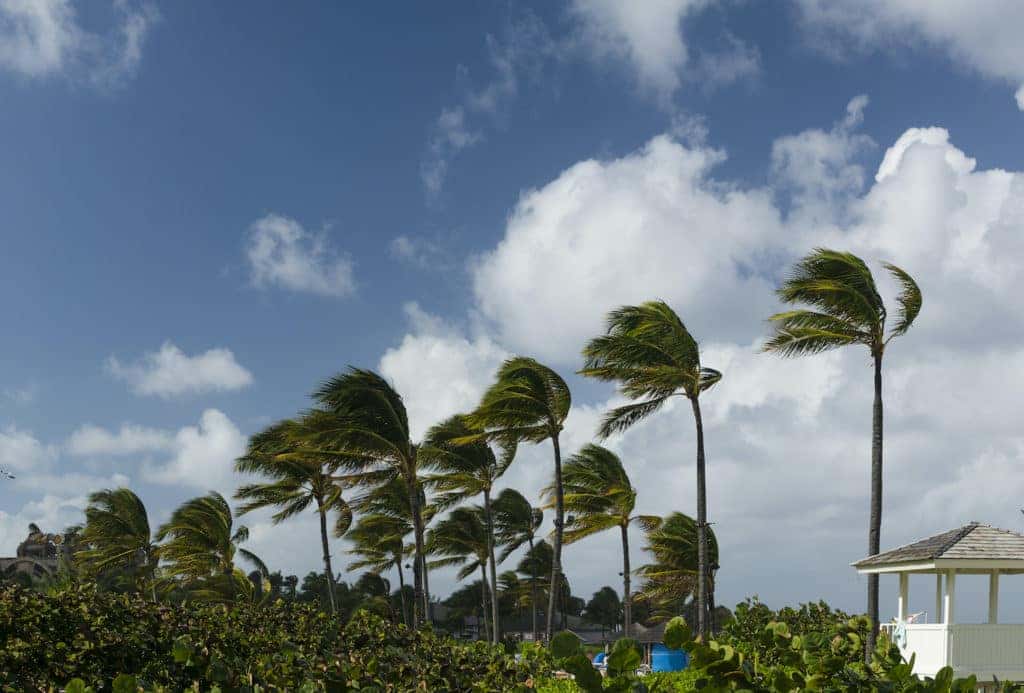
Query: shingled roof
{"x": 972, "y": 541}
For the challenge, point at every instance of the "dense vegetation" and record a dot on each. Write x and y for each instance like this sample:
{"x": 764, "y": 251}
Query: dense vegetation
{"x": 95, "y": 637}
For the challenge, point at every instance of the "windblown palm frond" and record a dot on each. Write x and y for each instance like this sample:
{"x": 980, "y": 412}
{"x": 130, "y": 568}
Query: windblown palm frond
{"x": 202, "y": 541}
{"x": 460, "y": 539}
{"x": 671, "y": 577}
{"x": 650, "y": 353}
{"x": 116, "y": 535}
{"x": 516, "y": 522}
{"x": 528, "y": 402}
{"x": 462, "y": 462}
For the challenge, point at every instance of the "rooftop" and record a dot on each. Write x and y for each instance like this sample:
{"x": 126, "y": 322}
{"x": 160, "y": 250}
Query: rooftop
{"x": 972, "y": 542}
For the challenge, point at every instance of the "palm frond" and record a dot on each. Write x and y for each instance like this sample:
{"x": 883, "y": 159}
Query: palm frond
{"x": 909, "y": 298}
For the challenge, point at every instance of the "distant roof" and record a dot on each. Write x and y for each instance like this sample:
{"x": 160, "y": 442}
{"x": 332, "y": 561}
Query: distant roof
{"x": 972, "y": 542}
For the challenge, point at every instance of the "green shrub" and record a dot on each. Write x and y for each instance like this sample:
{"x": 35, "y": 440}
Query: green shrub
{"x": 79, "y": 634}
{"x": 750, "y": 618}
{"x": 816, "y": 661}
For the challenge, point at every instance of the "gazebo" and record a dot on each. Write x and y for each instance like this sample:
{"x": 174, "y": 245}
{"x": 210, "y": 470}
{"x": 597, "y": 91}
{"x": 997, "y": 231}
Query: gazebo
{"x": 986, "y": 650}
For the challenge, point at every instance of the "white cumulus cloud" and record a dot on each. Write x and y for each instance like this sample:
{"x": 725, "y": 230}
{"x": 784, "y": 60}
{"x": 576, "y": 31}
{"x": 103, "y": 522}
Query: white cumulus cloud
{"x": 90, "y": 440}
{"x": 982, "y": 35}
{"x": 203, "y": 456}
{"x": 170, "y": 372}
{"x": 437, "y": 370}
{"x": 282, "y": 253}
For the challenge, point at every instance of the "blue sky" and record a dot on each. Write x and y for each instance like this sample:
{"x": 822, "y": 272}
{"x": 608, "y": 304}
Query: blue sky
{"x": 205, "y": 211}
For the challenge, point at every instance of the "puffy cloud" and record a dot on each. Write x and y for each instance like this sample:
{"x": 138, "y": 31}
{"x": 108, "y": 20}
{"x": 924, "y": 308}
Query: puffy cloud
{"x": 40, "y": 38}
{"x": 438, "y": 371}
{"x": 651, "y": 224}
{"x": 203, "y": 456}
{"x": 282, "y": 253}
{"x": 820, "y": 168}
{"x": 170, "y": 372}
{"x": 89, "y": 440}
{"x": 649, "y": 37}
{"x": 983, "y": 36}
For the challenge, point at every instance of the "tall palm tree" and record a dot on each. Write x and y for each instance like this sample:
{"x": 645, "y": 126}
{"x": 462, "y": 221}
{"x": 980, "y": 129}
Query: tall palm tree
{"x": 529, "y": 402}
{"x": 599, "y": 496}
{"x": 460, "y": 539}
{"x": 365, "y": 429}
{"x": 201, "y": 542}
{"x": 378, "y": 541}
{"x": 300, "y": 479}
{"x": 844, "y": 307}
{"x": 516, "y": 522}
{"x": 649, "y": 352}
{"x": 462, "y": 471}
{"x": 116, "y": 536}
{"x": 673, "y": 574}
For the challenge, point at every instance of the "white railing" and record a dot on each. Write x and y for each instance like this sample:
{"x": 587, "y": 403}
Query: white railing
{"x": 983, "y": 649}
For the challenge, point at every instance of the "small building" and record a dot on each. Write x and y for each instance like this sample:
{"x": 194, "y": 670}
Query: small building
{"x": 986, "y": 650}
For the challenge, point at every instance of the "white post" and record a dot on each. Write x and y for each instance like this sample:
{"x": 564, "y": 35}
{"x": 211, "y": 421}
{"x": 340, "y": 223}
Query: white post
{"x": 993, "y": 597}
{"x": 937, "y": 617}
{"x": 949, "y": 598}
{"x": 901, "y": 611}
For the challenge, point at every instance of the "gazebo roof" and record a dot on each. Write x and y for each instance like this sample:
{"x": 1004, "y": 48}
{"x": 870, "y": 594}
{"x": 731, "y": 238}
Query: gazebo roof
{"x": 973, "y": 546}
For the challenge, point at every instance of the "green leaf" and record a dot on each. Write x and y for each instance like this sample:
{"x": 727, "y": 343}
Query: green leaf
{"x": 125, "y": 683}
{"x": 565, "y": 644}
{"x": 677, "y": 634}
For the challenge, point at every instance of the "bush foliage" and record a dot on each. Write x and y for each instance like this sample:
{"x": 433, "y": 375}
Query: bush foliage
{"x": 49, "y": 641}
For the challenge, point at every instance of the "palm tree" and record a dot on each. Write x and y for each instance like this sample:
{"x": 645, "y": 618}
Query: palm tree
{"x": 300, "y": 479}
{"x": 201, "y": 545}
{"x": 673, "y": 574}
{"x": 516, "y": 522}
{"x": 365, "y": 429}
{"x": 461, "y": 540}
{"x": 537, "y": 562}
{"x": 600, "y": 496}
{"x": 379, "y": 542}
{"x": 844, "y": 307}
{"x": 461, "y": 472}
{"x": 648, "y": 350}
{"x": 529, "y": 402}
{"x": 117, "y": 536}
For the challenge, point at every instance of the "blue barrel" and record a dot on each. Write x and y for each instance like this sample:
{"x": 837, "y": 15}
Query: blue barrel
{"x": 664, "y": 659}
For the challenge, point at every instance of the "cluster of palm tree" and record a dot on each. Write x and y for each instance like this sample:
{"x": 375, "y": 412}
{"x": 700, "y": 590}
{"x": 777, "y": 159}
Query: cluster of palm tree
{"x": 352, "y": 459}
{"x": 192, "y": 555}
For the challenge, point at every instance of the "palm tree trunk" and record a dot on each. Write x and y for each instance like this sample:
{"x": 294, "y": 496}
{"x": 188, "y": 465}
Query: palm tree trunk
{"x": 533, "y": 593}
{"x": 875, "y": 526}
{"x": 496, "y": 630}
{"x": 483, "y": 599}
{"x": 556, "y": 564}
{"x": 401, "y": 590}
{"x": 428, "y": 608}
{"x": 418, "y": 564}
{"x": 327, "y": 553}
{"x": 702, "y": 527}
{"x": 627, "y": 608}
